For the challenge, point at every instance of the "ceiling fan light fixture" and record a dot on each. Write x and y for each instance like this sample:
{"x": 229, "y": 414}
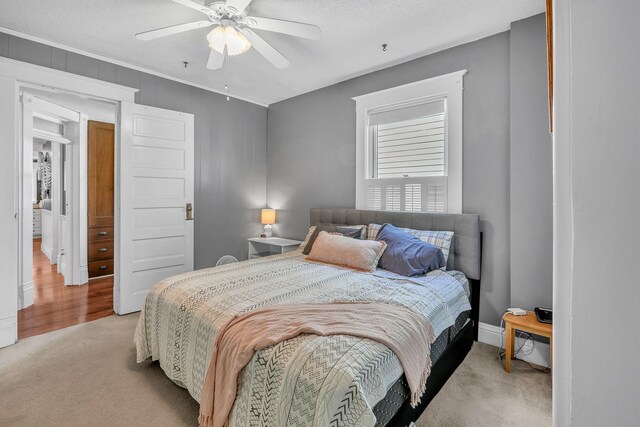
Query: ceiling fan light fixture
{"x": 216, "y": 39}
{"x": 235, "y": 42}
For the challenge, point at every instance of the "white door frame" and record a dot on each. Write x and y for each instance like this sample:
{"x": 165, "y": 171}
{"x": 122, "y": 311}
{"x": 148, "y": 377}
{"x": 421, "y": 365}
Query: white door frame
{"x": 35, "y": 107}
{"x": 14, "y": 75}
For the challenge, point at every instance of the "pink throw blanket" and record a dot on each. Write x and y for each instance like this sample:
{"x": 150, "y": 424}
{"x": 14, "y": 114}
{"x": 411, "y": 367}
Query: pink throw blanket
{"x": 407, "y": 333}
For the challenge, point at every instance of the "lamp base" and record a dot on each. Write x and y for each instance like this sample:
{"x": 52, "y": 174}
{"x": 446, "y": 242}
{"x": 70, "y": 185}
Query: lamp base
{"x": 267, "y": 230}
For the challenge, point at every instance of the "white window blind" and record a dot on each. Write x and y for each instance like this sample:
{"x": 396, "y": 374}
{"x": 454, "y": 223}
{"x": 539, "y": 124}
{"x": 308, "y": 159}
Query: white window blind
{"x": 413, "y": 147}
{"x": 393, "y": 197}
{"x": 374, "y": 197}
{"x": 407, "y": 143}
{"x": 436, "y": 198}
{"x": 411, "y": 197}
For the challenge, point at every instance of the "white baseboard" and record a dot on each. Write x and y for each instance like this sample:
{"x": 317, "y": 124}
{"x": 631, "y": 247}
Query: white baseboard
{"x": 533, "y": 352}
{"x": 84, "y": 274}
{"x": 84, "y": 277}
{"x": 26, "y": 294}
{"x": 8, "y": 330}
{"x": 60, "y": 260}
{"x": 47, "y": 252}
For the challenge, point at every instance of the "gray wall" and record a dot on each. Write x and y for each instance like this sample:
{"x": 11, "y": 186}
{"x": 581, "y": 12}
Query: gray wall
{"x": 311, "y": 149}
{"x": 230, "y": 145}
{"x": 311, "y": 152}
{"x": 531, "y": 167}
{"x": 597, "y": 213}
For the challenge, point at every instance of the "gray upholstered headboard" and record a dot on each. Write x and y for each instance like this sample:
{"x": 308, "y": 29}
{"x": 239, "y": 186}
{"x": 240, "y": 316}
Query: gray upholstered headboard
{"x": 466, "y": 253}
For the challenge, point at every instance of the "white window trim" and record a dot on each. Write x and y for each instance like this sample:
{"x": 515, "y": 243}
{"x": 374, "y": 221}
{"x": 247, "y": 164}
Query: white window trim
{"x": 447, "y": 85}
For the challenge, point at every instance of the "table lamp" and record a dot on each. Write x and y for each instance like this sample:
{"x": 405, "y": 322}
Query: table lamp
{"x": 268, "y": 217}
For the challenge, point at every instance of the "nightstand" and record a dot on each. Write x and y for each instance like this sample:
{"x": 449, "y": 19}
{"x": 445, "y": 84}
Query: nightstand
{"x": 528, "y": 323}
{"x": 265, "y": 246}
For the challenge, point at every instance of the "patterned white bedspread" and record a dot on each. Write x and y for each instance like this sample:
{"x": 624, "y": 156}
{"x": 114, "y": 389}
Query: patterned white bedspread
{"x": 304, "y": 381}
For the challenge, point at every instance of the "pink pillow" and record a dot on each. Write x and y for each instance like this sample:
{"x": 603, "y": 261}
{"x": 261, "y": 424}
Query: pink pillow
{"x": 347, "y": 252}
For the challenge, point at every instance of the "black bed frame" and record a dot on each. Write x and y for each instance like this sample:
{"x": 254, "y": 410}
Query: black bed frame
{"x": 446, "y": 365}
{"x": 448, "y": 362}
{"x": 457, "y": 348}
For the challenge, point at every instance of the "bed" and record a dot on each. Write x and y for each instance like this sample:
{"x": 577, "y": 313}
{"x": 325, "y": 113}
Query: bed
{"x": 310, "y": 380}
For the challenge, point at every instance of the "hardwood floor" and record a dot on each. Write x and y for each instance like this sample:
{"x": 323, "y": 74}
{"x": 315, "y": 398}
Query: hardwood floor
{"x": 58, "y": 306}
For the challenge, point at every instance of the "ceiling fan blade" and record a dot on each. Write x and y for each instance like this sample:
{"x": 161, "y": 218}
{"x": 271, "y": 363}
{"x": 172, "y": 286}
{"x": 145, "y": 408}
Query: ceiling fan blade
{"x": 174, "y": 29}
{"x": 195, "y": 5}
{"x": 266, "y": 50}
{"x": 216, "y": 60}
{"x": 237, "y": 6}
{"x": 297, "y": 29}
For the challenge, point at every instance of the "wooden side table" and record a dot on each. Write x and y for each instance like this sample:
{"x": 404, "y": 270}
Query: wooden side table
{"x": 528, "y": 323}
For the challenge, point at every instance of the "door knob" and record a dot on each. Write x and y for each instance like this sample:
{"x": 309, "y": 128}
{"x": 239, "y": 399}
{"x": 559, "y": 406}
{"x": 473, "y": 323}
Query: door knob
{"x": 189, "y": 212}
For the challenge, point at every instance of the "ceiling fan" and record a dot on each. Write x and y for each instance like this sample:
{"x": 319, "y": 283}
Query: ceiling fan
{"x": 233, "y": 31}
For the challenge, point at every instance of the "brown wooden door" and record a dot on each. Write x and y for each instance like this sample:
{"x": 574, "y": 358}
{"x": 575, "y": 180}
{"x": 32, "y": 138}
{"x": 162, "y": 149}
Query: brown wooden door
{"x": 100, "y": 188}
{"x": 100, "y": 170}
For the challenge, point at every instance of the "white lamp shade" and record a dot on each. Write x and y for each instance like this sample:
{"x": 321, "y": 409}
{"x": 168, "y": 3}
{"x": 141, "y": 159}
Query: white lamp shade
{"x": 216, "y": 39}
{"x": 235, "y": 42}
{"x": 268, "y": 216}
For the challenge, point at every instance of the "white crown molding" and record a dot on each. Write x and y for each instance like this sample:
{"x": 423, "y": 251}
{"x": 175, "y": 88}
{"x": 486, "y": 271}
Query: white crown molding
{"x": 37, "y": 76}
{"x": 123, "y": 64}
{"x": 459, "y": 42}
{"x": 468, "y": 39}
{"x": 533, "y": 352}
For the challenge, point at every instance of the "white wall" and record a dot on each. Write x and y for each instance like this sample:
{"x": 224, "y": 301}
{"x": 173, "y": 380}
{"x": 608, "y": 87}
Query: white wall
{"x": 597, "y": 214}
{"x": 8, "y": 253}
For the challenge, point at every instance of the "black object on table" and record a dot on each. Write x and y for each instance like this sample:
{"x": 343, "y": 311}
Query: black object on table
{"x": 544, "y": 315}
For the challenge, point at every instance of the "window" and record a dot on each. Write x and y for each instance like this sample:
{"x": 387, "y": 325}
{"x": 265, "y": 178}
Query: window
{"x": 408, "y": 142}
{"x": 409, "y": 147}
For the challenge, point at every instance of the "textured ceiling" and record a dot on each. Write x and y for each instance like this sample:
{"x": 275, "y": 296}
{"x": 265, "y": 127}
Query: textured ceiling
{"x": 352, "y": 34}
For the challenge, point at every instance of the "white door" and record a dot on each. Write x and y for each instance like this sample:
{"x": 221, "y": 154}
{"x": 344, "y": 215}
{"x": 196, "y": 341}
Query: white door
{"x": 156, "y": 185}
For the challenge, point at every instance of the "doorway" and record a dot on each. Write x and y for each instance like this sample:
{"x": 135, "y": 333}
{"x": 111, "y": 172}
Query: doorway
{"x": 154, "y": 186}
{"x": 68, "y": 211}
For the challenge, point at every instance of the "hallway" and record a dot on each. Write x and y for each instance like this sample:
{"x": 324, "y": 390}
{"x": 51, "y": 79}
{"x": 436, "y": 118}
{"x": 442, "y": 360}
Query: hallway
{"x": 58, "y": 306}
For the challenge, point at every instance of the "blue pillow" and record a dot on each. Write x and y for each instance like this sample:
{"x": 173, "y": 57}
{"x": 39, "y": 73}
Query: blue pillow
{"x": 407, "y": 255}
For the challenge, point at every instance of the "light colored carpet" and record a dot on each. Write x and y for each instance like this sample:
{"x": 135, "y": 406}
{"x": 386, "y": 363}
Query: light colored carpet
{"x": 87, "y": 375}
